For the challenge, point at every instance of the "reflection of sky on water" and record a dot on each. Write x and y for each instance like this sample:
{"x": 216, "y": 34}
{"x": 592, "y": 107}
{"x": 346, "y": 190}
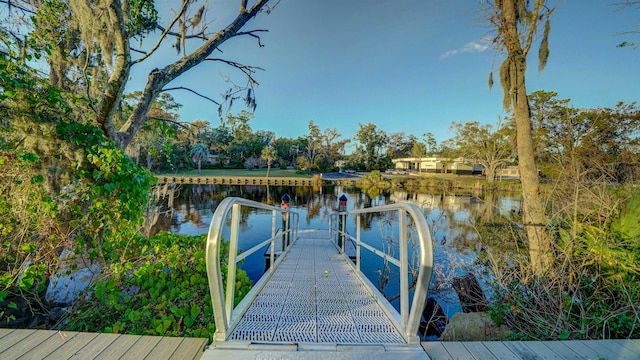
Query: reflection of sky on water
{"x": 450, "y": 217}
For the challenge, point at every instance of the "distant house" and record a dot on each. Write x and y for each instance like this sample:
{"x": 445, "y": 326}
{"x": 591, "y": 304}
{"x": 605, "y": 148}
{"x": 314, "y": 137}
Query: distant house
{"x": 340, "y": 164}
{"x": 509, "y": 172}
{"x": 437, "y": 164}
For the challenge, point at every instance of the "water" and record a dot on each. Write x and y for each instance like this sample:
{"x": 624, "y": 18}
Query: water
{"x": 451, "y": 217}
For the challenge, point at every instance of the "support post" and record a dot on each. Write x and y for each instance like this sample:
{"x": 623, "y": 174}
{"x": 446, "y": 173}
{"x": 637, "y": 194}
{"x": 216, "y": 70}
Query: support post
{"x": 342, "y": 208}
{"x": 285, "y": 206}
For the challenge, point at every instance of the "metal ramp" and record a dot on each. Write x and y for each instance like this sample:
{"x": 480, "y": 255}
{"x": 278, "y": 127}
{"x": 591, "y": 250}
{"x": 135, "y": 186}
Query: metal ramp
{"x": 313, "y": 302}
{"x": 315, "y": 297}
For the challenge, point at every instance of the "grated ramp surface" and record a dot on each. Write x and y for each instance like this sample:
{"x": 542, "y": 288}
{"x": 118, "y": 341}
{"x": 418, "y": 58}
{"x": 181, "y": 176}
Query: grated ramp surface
{"x": 300, "y": 304}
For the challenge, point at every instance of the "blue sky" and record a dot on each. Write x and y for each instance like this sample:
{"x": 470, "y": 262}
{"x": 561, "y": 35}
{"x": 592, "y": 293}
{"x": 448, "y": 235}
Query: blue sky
{"x": 405, "y": 65}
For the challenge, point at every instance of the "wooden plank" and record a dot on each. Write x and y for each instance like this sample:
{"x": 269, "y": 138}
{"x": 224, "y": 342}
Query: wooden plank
{"x": 633, "y": 345}
{"x": 165, "y": 348}
{"x": 48, "y": 346}
{"x": 71, "y": 346}
{"x": 582, "y": 348}
{"x": 500, "y": 350}
{"x": 95, "y": 346}
{"x": 541, "y": 349}
{"x": 457, "y": 350}
{"x": 561, "y": 348}
{"x": 14, "y": 337}
{"x": 142, "y": 347}
{"x": 118, "y": 347}
{"x": 190, "y": 348}
{"x": 436, "y": 350}
{"x": 522, "y": 350}
{"x": 5, "y": 332}
{"x": 33, "y": 340}
{"x": 614, "y": 349}
{"x": 479, "y": 351}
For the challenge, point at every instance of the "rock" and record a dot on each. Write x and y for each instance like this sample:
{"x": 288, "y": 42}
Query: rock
{"x": 68, "y": 283}
{"x": 476, "y": 326}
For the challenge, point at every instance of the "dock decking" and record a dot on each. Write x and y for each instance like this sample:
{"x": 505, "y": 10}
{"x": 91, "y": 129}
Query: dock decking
{"x": 49, "y": 344}
{"x": 534, "y": 350}
{"x": 315, "y": 297}
{"x": 55, "y": 345}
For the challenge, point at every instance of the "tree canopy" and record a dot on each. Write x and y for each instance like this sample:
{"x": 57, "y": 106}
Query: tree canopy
{"x": 90, "y": 48}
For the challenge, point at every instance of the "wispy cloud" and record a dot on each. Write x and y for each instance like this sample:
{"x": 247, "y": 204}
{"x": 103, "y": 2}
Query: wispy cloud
{"x": 474, "y": 46}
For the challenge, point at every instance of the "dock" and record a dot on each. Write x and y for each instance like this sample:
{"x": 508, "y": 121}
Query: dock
{"x": 55, "y": 345}
{"x": 59, "y": 345}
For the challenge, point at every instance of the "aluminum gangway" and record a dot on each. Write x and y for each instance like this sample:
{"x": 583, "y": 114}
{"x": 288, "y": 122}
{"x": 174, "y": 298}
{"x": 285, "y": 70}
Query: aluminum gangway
{"x": 315, "y": 301}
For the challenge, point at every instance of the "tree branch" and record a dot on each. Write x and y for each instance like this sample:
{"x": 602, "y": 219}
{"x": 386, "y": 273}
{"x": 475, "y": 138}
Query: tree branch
{"x": 158, "y": 78}
{"x": 177, "y": 123}
{"x": 248, "y": 70}
{"x": 199, "y": 35}
{"x": 192, "y": 91}
{"x": 534, "y": 27}
{"x": 183, "y": 8}
{"x": 251, "y": 33}
{"x": 11, "y": 4}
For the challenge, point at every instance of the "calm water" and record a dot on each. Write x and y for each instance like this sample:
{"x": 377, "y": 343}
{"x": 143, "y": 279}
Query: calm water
{"x": 451, "y": 217}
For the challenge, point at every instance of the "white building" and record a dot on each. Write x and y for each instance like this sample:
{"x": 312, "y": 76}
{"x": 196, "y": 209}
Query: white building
{"x": 437, "y": 164}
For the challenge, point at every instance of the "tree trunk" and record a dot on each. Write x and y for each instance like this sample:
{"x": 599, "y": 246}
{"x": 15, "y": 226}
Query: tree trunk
{"x": 533, "y": 216}
{"x": 118, "y": 80}
{"x": 490, "y": 173}
{"x": 470, "y": 293}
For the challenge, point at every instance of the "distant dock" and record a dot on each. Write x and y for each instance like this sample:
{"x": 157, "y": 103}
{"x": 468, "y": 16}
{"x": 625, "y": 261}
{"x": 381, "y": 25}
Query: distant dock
{"x": 249, "y": 180}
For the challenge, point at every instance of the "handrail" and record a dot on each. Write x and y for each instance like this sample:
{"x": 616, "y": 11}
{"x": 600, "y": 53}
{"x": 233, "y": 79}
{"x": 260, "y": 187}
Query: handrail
{"x": 225, "y": 314}
{"x": 409, "y": 317}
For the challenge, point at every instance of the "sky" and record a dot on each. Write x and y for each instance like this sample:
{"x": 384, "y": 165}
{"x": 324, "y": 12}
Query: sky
{"x": 411, "y": 66}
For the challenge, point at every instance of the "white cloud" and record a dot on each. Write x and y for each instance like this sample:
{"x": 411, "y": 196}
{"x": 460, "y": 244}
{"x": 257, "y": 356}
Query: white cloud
{"x": 474, "y": 46}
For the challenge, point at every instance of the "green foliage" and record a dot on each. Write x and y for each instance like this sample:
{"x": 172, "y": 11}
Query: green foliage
{"x": 62, "y": 183}
{"x": 626, "y": 227}
{"x": 164, "y": 291}
{"x": 373, "y": 184}
{"x": 108, "y": 194}
{"x": 142, "y": 18}
{"x": 591, "y": 291}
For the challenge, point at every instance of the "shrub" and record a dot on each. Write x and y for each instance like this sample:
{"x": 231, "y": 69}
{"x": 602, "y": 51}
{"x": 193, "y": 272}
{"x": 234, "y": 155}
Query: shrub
{"x": 164, "y": 291}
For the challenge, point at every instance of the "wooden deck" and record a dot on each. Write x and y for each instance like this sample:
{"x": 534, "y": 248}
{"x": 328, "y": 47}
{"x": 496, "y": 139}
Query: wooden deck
{"x": 50, "y": 344}
{"x": 534, "y": 350}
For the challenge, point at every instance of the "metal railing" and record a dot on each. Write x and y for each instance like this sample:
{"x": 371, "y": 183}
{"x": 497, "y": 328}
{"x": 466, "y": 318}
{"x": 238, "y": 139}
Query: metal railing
{"x": 225, "y": 314}
{"x": 408, "y": 319}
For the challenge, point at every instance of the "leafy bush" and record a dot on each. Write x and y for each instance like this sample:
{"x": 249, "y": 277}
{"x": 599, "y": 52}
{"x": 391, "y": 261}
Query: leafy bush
{"x": 165, "y": 292}
{"x": 62, "y": 184}
{"x": 590, "y": 292}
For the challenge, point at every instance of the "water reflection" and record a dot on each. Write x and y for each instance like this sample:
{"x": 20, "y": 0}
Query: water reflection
{"x": 453, "y": 219}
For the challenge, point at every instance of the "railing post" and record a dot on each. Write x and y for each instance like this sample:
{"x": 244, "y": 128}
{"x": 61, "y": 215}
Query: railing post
{"x": 404, "y": 267}
{"x": 358, "y": 242}
{"x": 233, "y": 252}
{"x": 272, "y": 248}
{"x": 285, "y": 206}
{"x": 342, "y": 208}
